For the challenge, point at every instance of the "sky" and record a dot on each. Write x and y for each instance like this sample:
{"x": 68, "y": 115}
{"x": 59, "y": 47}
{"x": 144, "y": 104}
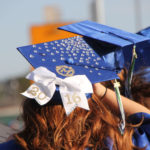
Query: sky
{"x": 17, "y": 16}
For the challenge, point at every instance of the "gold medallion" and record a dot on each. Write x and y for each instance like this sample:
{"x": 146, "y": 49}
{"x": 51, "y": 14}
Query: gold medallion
{"x": 65, "y": 70}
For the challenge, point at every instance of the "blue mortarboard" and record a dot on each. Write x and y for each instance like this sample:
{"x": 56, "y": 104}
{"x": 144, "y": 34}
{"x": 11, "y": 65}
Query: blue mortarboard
{"x": 106, "y": 35}
{"x": 67, "y": 57}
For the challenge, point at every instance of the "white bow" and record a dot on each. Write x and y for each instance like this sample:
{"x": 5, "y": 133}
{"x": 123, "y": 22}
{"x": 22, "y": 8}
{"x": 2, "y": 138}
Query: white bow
{"x": 72, "y": 89}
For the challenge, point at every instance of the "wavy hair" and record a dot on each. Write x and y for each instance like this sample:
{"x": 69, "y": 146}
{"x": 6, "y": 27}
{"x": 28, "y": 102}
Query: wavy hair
{"x": 48, "y": 128}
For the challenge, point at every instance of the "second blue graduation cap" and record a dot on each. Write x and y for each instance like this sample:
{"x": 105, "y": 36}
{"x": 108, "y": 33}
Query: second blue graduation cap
{"x": 110, "y": 39}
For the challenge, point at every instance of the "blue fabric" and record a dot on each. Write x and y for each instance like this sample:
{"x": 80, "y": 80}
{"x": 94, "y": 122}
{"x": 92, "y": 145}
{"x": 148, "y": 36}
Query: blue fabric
{"x": 141, "y": 136}
{"x": 10, "y": 145}
{"x": 105, "y": 33}
{"x": 145, "y": 32}
{"x": 143, "y": 53}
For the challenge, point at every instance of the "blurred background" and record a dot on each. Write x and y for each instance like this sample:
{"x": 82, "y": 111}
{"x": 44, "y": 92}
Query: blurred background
{"x": 24, "y": 22}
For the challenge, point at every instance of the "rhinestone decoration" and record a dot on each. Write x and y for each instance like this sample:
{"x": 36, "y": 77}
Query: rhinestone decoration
{"x": 31, "y": 56}
{"x": 35, "y": 51}
{"x": 74, "y": 48}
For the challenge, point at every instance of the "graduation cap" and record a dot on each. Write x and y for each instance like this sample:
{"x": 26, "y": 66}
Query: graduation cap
{"x": 73, "y": 62}
{"x": 105, "y": 35}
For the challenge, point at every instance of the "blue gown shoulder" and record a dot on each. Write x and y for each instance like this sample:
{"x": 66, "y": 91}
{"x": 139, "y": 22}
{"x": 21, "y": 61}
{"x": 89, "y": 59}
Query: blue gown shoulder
{"x": 141, "y": 136}
{"x": 10, "y": 145}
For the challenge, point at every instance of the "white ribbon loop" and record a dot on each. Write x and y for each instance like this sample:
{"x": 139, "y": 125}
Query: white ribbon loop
{"x": 72, "y": 89}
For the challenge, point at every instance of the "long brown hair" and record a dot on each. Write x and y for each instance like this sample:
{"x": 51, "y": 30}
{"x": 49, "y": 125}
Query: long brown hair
{"x": 48, "y": 128}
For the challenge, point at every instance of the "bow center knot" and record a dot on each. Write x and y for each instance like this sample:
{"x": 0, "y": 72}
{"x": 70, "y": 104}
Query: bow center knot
{"x": 59, "y": 81}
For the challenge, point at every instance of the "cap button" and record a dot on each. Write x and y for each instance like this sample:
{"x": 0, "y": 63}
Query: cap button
{"x": 70, "y": 61}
